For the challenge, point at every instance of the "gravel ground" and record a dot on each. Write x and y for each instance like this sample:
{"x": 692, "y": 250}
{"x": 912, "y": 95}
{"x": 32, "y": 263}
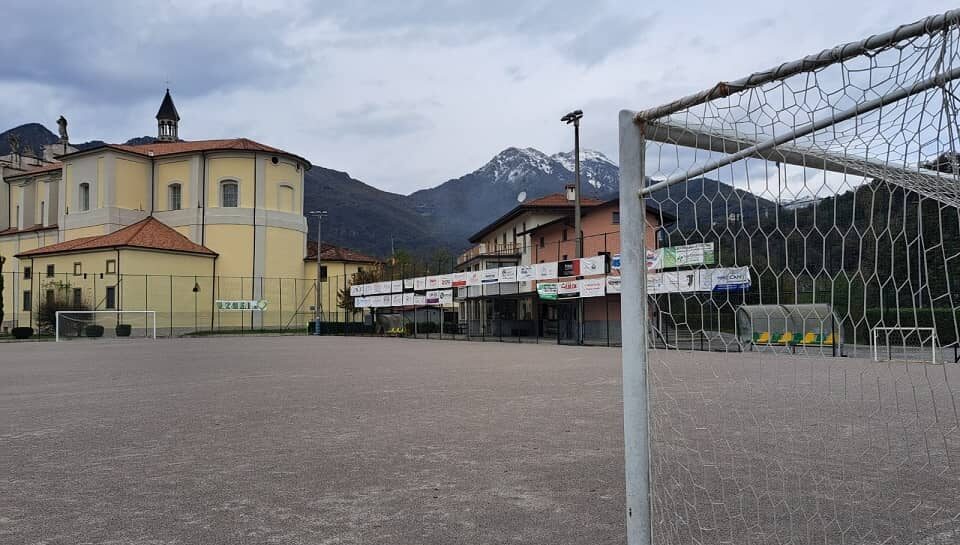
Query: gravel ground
{"x": 300, "y": 440}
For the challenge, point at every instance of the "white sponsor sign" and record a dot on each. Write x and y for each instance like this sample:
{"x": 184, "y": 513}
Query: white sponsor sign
{"x": 420, "y": 283}
{"x": 613, "y": 284}
{"x": 408, "y": 299}
{"x": 507, "y": 274}
{"x": 680, "y": 256}
{"x": 593, "y": 265}
{"x": 526, "y": 273}
{"x": 592, "y": 287}
{"x": 433, "y": 282}
{"x": 419, "y": 300}
{"x": 367, "y": 289}
{"x": 547, "y": 271}
{"x": 446, "y": 281}
{"x": 446, "y": 297}
{"x": 396, "y": 300}
{"x": 433, "y": 297}
{"x": 396, "y": 286}
{"x": 356, "y": 291}
{"x": 568, "y": 288}
{"x": 383, "y": 287}
{"x": 473, "y": 278}
{"x": 408, "y": 283}
{"x": 256, "y": 304}
{"x": 489, "y": 276}
{"x": 459, "y": 279}
{"x": 724, "y": 279}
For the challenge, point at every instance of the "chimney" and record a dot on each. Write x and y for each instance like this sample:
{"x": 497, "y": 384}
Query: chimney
{"x": 571, "y": 191}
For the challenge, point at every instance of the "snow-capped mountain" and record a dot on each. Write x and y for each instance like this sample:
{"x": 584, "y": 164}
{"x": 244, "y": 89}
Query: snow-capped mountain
{"x": 464, "y": 205}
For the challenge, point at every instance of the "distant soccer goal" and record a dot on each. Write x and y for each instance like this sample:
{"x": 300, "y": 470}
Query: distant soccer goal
{"x": 105, "y": 324}
{"x": 826, "y": 195}
{"x": 904, "y": 343}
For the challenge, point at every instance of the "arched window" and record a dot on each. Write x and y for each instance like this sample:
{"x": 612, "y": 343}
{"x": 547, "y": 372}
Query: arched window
{"x": 84, "y": 197}
{"x": 285, "y": 198}
{"x": 173, "y": 197}
{"x": 229, "y": 194}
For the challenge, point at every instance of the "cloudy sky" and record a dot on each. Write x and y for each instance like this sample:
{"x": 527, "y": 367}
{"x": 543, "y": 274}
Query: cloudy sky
{"x": 403, "y": 95}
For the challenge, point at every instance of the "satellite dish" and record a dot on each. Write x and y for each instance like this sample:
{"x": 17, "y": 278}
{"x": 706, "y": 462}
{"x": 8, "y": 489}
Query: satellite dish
{"x": 522, "y": 196}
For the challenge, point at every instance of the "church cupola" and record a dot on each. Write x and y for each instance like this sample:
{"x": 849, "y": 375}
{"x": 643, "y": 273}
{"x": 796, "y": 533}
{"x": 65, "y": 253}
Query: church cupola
{"x": 167, "y": 120}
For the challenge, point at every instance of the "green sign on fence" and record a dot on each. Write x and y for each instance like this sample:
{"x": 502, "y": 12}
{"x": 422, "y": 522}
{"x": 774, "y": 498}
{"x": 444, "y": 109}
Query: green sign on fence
{"x": 260, "y": 304}
{"x": 547, "y": 290}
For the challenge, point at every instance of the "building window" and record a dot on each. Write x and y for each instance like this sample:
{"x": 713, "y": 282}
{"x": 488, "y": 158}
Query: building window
{"x": 514, "y": 235}
{"x": 173, "y": 197}
{"x": 43, "y": 212}
{"x": 323, "y": 272}
{"x": 17, "y": 218}
{"x": 111, "y": 299}
{"x": 564, "y": 257}
{"x": 51, "y": 272}
{"x": 111, "y": 266}
{"x": 543, "y": 242}
{"x": 27, "y": 273}
{"x": 27, "y": 300}
{"x": 84, "y": 197}
{"x": 285, "y": 198}
{"x": 77, "y": 269}
{"x": 564, "y": 238}
{"x": 229, "y": 193}
{"x": 77, "y": 297}
{"x": 615, "y": 217}
{"x": 359, "y": 269}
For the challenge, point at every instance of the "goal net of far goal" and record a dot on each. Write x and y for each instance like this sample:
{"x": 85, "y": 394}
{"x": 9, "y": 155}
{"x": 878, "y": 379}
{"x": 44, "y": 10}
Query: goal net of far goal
{"x": 105, "y": 324}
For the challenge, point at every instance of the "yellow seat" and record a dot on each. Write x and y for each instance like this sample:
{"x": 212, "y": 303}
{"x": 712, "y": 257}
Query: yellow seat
{"x": 786, "y": 338}
{"x": 829, "y": 340}
{"x": 764, "y": 338}
{"x": 809, "y": 338}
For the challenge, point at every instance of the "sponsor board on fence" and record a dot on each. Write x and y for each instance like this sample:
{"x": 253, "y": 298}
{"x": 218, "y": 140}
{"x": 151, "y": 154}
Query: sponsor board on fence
{"x": 420, "y": 283}
{"x": 507, "y": 275}
{"x": 256, "y": 304}
{"x": 356, "y": 290}
{"x": 547, "y": 290}
{"x": 408, "y": 283}
{"x": 446, "y": 281}
{"x": 489, "y": 276}
{"x": 592, "y": 287}
{"x": 459, "y": 279}
{"x": 547, "y": 271}
{"x": 567, "y": 268}
{"x": 446, "y": 297}
{"x": 594, "y": 265}
{"x": 526, "y": 273}
{"x": 433, "y": 297}
{"x": 396, "y": 300}
{"x": 419, "y": 300}
{"x": 408, "y": 299}
{"x": 613, "y": 284}
{"x": 725, "y": 279}
{"x": 396, "y": 286}
{"x": 473, "y": 278}
{"x": 433, "y": 282}
{"x": 568, "y": 288}
{"x": 615, "y": 262}
{"x": 680, "y": 256}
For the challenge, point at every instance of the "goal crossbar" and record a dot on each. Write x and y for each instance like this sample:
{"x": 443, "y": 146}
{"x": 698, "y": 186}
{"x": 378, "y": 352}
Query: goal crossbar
{"x": 72, "y": 314}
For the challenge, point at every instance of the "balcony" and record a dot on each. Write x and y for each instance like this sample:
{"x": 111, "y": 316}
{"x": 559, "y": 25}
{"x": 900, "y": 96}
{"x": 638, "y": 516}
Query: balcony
{"x": 485, "y": 249}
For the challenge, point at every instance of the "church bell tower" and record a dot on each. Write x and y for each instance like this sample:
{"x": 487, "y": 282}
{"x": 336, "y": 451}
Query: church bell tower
{"x": 167, "y": 120}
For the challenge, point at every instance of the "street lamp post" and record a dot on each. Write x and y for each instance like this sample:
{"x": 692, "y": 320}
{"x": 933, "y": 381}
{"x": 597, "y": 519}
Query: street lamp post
{"x": 573, "y": 118}
{"x": 319, "y": 214}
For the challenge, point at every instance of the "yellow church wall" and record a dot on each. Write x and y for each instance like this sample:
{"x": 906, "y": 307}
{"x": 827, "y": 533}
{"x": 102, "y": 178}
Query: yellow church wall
{"x": 80, "y": 232}
{"x": 101, "y": 194}
{"x": 277, "y": 176}
{"x": 68, "y": 181}
{"x": 339, "y": 274}
{"x": 240, "y": 169}
{"x": 132, "y": 184}
{"x": 284, "y": 248}
{"x": 167, "y": 173}
{"x": 234, "y": 243}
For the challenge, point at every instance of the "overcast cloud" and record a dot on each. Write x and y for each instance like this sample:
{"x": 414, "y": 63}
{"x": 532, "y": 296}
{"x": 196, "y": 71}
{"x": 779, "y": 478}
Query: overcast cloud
{"x": 403, "y": 95}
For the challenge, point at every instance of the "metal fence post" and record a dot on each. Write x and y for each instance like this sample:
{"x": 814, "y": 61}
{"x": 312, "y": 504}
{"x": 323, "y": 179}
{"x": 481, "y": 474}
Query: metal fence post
{"x": 634, "y": 317}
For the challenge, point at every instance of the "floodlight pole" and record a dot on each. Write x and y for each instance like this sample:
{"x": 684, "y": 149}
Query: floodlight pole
{"x": 634, "y": 316}
{"x": 574, "y": 119}
{"x": 316, "y": 309}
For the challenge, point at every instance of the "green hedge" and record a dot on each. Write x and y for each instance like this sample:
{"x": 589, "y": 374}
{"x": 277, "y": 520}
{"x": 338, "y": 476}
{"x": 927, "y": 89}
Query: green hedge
{"x": 341, "y": 328}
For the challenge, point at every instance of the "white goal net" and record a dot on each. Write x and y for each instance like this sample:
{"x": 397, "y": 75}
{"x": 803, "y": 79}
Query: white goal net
{"x": 105, "y": 324}
{"x": 809, "y": 225}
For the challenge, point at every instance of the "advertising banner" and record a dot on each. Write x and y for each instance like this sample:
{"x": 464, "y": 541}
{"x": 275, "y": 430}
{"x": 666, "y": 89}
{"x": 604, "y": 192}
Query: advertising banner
{"x": 408, "y": 283}
{"x": 396, "y": 286}
{"x": 433, "y": 297}
{"x": 356, "y": 290}
{"x": 257, "y": 304}
{"x": 507, "y": 274}
{"x": 420, "y": 284}
{"x": 568, "y": 268}
{"x": 366, "y": 289}
{"x": 408, "y": 299}
{"x": 725, "y": 279}
{"x": 547, "y": 271}
{"x": 680, "y": 256}
{"x": 383, "y": 287}
{"x": 568, "y": 288}
{"x": 360, "y": 302}
{"x": 489, "y": 276}
{"x": 433, "y": 282}
{"x": 446, "y": 297}
{"x": 592, "y": 287}
{"x": 526, "y": 273}
{"x": 396, "y": 300}
{"x": 459, "y": 279}
{"x": 593, "y": 265}
{"x": 419, "y": 300}
{"x": 446, "y": 281}
{"x": 613, "y": 284}
{"x": 473, "y": 278}
{"x": 547, "y": 290}
{"x": 615, "y": 262}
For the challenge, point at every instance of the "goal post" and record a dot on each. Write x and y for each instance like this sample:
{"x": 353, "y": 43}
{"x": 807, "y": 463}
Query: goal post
{"x": 829, "y": 186}
{"x": 110, "y": 324}
{"x": 904, "y": 342}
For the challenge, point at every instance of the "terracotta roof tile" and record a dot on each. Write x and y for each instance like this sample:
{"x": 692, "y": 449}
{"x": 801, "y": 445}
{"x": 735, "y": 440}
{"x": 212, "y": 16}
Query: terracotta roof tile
{"x": 160, "y": 149}
{"x": 149, "y": 233}
{"x": 336, "y": 253}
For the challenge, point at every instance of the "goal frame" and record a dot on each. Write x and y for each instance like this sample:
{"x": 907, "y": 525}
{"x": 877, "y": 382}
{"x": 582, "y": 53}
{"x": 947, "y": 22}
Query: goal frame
{"x": 875, "y": 347}
{"x": 152, "y": 327}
